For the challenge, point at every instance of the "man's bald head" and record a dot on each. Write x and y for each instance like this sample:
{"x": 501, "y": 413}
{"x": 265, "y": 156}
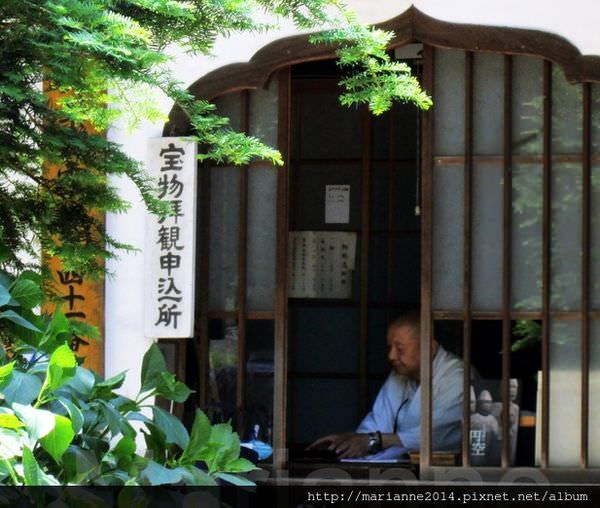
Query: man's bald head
{"x": 410, "y": 319}
{"x": 404, "y": 341}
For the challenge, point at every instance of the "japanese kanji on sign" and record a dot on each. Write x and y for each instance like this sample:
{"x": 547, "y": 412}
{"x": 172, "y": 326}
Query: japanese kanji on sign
{"x": 170, "y": 250}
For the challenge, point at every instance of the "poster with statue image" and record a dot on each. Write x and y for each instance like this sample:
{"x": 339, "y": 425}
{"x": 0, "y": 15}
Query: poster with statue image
{"x": 486, "y": 423}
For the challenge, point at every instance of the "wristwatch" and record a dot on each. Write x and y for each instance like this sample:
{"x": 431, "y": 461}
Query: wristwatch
{"x": 374, "y": 442}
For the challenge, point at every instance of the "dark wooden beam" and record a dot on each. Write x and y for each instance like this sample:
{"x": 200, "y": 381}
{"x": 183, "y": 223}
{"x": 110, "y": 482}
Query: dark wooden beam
{"x": 506, "y": 260}
{"x": 585, "y": 272}
{"x": 281, "y": 304}
{"x": 546, "y": 259}
{"x": 426, "y": 263}
{"x": 467, "y": 253}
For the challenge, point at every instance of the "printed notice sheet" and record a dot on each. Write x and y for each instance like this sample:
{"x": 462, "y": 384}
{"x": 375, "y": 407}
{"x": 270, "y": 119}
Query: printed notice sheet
{"x": 321, "y": 264}
{"x": 337, "y": 204}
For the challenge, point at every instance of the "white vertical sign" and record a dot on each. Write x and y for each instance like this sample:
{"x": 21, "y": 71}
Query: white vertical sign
{"x": 170, "y": 250}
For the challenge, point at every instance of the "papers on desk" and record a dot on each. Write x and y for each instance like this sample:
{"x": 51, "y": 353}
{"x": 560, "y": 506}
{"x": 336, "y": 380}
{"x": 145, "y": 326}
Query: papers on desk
{"x": 394, "y": 454}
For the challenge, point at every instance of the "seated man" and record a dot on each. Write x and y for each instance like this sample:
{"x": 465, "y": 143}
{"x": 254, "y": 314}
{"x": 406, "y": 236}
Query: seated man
{"x": 395, "y": 418}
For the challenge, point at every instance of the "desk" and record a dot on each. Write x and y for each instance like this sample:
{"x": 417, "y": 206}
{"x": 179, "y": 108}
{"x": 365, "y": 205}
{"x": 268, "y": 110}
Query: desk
{"x": 353, "y": 470}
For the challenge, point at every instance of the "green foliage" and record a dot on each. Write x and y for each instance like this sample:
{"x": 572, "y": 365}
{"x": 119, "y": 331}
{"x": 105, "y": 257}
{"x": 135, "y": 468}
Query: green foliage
{"x": 107, "y": 58}
{"x": 372, "y": 77}
{"x": 529, "y": 333}
{"x": 61, "y": 424}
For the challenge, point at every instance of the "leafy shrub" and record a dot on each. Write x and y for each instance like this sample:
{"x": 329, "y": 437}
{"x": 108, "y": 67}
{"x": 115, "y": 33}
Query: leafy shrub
{"x": 61, "y": 424}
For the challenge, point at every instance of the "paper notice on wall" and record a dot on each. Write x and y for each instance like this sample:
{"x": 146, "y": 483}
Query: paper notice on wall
{"x": 337, "y": 204}
{"x": 321, "y": 264}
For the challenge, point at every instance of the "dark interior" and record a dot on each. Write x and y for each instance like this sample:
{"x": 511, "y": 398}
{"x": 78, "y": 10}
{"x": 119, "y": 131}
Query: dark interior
{"x": 330, "y": 146}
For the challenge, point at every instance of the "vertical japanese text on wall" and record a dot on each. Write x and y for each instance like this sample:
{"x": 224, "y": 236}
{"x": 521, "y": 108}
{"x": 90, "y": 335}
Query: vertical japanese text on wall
{"x": 171, "y": 241}
{"x": 80, "y": 297}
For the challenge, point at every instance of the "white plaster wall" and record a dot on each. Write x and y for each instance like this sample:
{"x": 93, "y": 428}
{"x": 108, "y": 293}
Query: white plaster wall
{"x": 576, "y": 20}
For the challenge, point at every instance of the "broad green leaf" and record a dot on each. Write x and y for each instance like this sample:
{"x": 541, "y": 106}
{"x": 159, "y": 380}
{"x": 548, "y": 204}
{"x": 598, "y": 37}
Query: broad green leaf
{"x": 126, "y": 446}
{"x": 4, "y": 295}
{"x": 97, "y": 445}
{"x": 139, "y": 417}
{"x": 83, "y": 329}
{"x": 6, "y": 372}
{"x": 32, "y": 276}
{"x": 39, "y": 422}
{"x": 155, "y": 474}
{"x": 40, "y": 321}
{"x": 5, "y": 279}
{"x": 29, "y": 334}
{"x": 239, "y": 481}
{"x": 61, "y": 367}
{"x": 124, "y": 451}
{"x": 113, "y": 478}
{"x": 169, "y": 388}
{"x": 198, "y": 438}
{"x": 5, "y": 466}
{"x": 155, "y": 442}
{"x": 223, "y": 447}
{"x": 33, "y": 473}
{"x": 166, "y": 382}
{"x": 117, "y": 423}
{"x": 83, "y": 381}
{"x": 228, "y": 441}
{"x": 27, "y": 293}
{"x": 152, "y": 366}
{"x": 11, "y": 315}
{"x": 10, "y": 444}
{"x": 22, "y": 388}
{"x": 239, "y": 465}
{"x": 78, "y": 464}
{"x": 212, "y": 456}
{"x": 59, "y": 439}
{"x": 74, "y": 412}
{"x": 10, "y": 421}
{"x": 124, "y": 404}
{"x": 191, "y": 475}
{"x": 31, "y": 469}
{"x": 104, "y": 389}
{"x": 112, "y": 417}
{"x": 57, "y": 332}
{"x": 109, "y": 461}
{"x": 172, "y": 427}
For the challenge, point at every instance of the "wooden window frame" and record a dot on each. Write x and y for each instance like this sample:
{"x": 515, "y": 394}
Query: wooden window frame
{"x": 410, "y": 26}
{"x": 546, "y": 314}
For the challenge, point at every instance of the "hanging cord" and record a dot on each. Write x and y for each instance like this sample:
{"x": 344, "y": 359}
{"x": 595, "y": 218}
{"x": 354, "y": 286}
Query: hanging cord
{"x": 418, "y": 156}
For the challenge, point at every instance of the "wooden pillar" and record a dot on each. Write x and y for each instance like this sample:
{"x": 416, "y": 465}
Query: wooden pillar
{"x": 82, "y": 299}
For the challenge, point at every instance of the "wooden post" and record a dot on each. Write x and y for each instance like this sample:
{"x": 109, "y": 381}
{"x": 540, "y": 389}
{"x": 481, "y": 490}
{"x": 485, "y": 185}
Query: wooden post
{"x": 83, "y": 299}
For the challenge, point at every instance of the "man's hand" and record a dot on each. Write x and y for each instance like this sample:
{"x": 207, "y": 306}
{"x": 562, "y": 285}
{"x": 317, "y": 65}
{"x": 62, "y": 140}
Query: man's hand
{"x": 345, "y": 445}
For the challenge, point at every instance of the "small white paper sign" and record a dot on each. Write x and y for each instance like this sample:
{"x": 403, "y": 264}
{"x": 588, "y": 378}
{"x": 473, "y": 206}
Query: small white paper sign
{"x": 170, "y": 248}
{"x": 337, "y": 204}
